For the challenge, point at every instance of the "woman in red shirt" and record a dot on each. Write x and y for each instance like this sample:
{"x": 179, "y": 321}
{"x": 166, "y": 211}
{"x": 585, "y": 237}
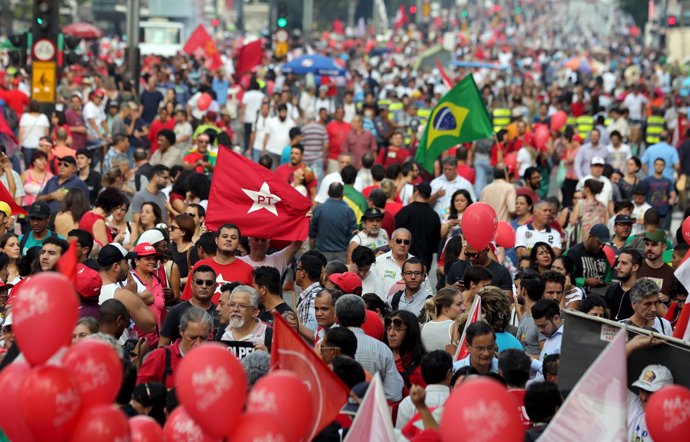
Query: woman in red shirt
{"x": 93, "y": 221}
{"x": 404, "y": 338}
{"x": 394, "y": 153}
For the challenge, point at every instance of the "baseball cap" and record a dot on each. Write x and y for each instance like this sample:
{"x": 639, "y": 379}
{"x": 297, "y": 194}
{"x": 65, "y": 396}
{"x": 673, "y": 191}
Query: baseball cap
{"x": 372, "y": 213}
{"x": 598, "y": 160}
{"x": 144, "y": 249}
{"x": 655, "y": 235}
{"x": 111, "y": 254}
{"x": 39, "y": 210}
{"x": 89, "y": 282}
{"x": 600, "y": 232}
{"x": 69, "y": 159}
{"x": 424, "y": 189}
{"x": 151, "y": 236}
{"x": 653, "y": 378}
{"x": 352, "y": 405}
{"x": 623, "y": 219}
{"x": 5, "y": 208}
{"x": 348, "y": 281}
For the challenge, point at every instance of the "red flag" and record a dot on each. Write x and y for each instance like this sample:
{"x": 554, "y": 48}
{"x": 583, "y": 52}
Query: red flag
{"x": 200, "y": 43}
{"x": 338, "y": 27}
{"x": 290, "y": 352}
{"x": 257, "y": 200}
{"x": 7, "y": 198}
{"x": 67, "y": 264}
{"x": 596, "y": 408}
{"x": 401, "y": 18}
{"x": 446, "y": 79}
{"x": 373, "y": 419}
{"x": 249, "y": 56}
{"x": 682, "y": 274}
{"x": 475, "y": 315}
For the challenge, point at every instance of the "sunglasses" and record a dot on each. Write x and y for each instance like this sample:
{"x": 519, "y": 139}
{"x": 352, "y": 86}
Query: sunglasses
{"x": 204, "y": 282}
{"x": 395, "y": 323}
{"x": 172, "y": 228}
{"x": 402, "y": 241}
{"x": 64, "y": 164}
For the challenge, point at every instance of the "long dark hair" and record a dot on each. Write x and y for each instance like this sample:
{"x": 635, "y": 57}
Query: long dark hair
{"x": 533, "y": 254}
{"x": 411, "y": 349}
{"x": 463, "y": 192}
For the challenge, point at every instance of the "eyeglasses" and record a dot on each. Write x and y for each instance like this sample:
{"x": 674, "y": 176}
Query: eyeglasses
{"x": 64, "y": 164}
{"x": 234, "y": 305}
{"x": 396, "y": 323}
{"x": 402, "y": 241}
{"x": 172, "y": 228}
{"x": 482, "y": 349}
{"x": 411, "y": 273}
{"x": 204, "y": 282}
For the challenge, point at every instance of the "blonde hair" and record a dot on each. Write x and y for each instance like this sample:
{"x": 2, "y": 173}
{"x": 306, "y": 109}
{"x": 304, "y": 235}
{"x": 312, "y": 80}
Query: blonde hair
{"x": 443, "y": 298}
{"x": 389, "y": 188}
{"x": 495, "y": 307}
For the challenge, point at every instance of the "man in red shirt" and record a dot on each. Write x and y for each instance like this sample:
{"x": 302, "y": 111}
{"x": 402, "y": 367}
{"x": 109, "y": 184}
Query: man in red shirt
{"x": 395, "y": 153}
{"x": 337, "y": 130}
{"x": 198, "y": 159}
{"x": 226, "y": 265}
{"x": 17, "y": 100}
{"x": 464, "y": 170}
{"x": 287, "y": 171}
{"x": 162, "y": 122}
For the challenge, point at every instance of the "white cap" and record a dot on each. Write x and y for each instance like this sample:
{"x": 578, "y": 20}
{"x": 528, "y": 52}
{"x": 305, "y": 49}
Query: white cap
{"x": 151, "y": 236}
{"x": 598, "y": 160}
{"x": 654, "y": 378}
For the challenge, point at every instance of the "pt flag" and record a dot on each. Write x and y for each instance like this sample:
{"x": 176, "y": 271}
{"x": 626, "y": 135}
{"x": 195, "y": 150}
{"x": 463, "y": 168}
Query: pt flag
{"x": 290, "y": 352}
{"x": 596, "y": 408}
{"x": 257, "y": 200}
{"x": 373, "y": 419}
{"x": 249, "y": 56}
{"x": 201, "y": 44}
{"x": 475, "y": 315}
{"x": 460, "y": 117}
{"x": 7, "y": 198}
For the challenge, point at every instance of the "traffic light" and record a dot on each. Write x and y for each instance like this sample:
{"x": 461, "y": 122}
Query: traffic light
{"x": 215, "y": 22}
{"x": 496, "y": 8}
{"x": 464, "y": 13}
{"x": 282, "y": 14}
{"x": 70, "y": 55}
{"x": 672, "y": 21}
{"x": 413, "y": 9}
{"x": 18, "y": 55}
{"x": 46, "y": 17}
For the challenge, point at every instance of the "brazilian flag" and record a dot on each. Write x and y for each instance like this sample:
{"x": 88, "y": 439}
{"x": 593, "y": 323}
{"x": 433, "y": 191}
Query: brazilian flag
{"x": 460, "y": 117}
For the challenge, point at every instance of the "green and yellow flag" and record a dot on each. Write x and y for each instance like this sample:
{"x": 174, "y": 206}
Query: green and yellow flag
{"x": 460, "y": 117}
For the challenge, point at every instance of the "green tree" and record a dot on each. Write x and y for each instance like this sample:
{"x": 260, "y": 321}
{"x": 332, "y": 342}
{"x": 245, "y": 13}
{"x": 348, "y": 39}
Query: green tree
{"x": 637, "y": 9}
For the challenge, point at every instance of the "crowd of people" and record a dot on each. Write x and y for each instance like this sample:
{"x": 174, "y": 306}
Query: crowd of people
{"x": 386, "y": 280}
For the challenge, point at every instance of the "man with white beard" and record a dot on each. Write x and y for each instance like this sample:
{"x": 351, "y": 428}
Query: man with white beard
{"x": 244, "y": 325}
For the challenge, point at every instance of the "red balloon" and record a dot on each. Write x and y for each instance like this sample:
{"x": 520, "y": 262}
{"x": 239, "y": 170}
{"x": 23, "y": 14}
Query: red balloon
{"x": 102, "y": 423}
{"x": 686, "y": 230}
{"x": 44, "y": 313}
{"x": 510, "y": 161}
{"x": 263, "y": 426}
{"x": 505, "y": 235}
{"x": 144, "y": 429}
{"x": 481, "y": 409}
{"x": 667, "y": 414}
{"x": 212, "y": 387}
{"x": 13, "y": 423}
{"x": 180, "y": 427}
{"x": 558, "y": 121}
{"x": 479, "y": 225}
{"x": 541, "y": 137}
{"x": 50, "y": 402}
{"x": 276, "y": 393}
{"x": 204, "y": 101}
{"x": 610, "y": 255}
{"x": 98, "y": 368}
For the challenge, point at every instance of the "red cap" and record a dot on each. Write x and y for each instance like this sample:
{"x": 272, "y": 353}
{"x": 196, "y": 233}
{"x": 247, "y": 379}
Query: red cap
{"x": 144, "y": 249}
{"x": 348, "y": 281}
{"x": 89, "y": 282}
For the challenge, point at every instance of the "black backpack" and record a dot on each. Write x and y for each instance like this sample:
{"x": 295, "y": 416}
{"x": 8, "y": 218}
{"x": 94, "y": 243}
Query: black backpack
{"x": 422, "y": 316}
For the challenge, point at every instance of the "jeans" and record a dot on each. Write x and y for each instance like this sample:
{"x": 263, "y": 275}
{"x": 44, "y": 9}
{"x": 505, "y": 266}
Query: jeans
{"x": 484, "y": 172}
{"x": 247, "y": 134}
{"x": 317, "y": 167}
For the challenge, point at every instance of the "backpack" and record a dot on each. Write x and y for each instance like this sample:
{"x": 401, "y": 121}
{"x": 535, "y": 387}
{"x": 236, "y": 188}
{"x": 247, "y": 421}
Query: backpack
{"x": 422, "y": 316}
{"x": 145, "y": 170}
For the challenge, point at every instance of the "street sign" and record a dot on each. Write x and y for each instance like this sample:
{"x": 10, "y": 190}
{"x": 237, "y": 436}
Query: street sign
{"x": 282, "y": 35}
{"x": 43, "y": 81}
{"x": 44, "y": 50}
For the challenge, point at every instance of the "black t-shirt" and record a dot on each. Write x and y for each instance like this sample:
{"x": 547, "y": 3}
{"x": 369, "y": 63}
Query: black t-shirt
{"x": 171, "y": 325}
{"x": 500, "y": 276}
{"x": 425, "y": 226}
{"x": 93, "y": 182}
{"x": 267, "y": 316}
{"x": 588, "y": 265}
{"x": 618, "y": 302}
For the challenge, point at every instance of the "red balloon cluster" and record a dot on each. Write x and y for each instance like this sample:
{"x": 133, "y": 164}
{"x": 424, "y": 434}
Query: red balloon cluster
{"x": 479, "y": 225}
{"x": 558, "y": 121}
{"x": 666, "y": 413}
{"x": 481, "y": 409}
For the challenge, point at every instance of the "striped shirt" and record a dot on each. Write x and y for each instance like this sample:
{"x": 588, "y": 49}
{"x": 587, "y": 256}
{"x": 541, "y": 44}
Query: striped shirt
{"x": 305, "y": 306}
{"x": 377, "y": 357}
{"x": 314, "y": 138}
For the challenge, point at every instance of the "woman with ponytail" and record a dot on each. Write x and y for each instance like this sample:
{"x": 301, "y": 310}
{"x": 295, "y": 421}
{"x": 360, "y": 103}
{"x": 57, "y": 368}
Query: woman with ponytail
{"x": 444, "y": 308}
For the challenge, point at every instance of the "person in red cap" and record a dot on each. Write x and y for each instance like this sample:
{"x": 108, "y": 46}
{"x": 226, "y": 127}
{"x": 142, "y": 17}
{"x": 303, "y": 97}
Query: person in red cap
{"x": 350, "y": 283}
{"x": 89, "y": 285}
{"x": 149, "y": 286}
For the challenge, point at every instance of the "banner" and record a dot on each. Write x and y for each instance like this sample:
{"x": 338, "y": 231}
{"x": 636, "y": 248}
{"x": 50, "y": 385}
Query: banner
{"x": 239, "y": 348}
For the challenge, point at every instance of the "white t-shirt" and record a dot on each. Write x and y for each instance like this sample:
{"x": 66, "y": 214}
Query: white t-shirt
{"x": 34, "y": 128}
{"x": 524, "y": 159}
{"x": 442, "y": 206}
{"x": 606, "y": 193}
{"x": 617, "y": 157}
{"x": 362, "y": 239}
{"x": 276, "y": 260}
{"x": 91, "y": 111}
{"x": 527, "y": 236}
{"x": 637, "y": 213}
{"x": 637, "y": 427}
{"x": 251, "y": 100}
{"x": 260, "y": 126}
{"x": 322, "y": 195}
{"x": 374, "y": 284}
{"x": 634, "y": 103}
{"x": 279, "y": 134}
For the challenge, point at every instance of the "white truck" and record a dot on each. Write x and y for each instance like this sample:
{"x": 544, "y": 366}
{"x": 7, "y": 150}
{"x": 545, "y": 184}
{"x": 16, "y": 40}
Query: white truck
{"x": 159, "y": 36}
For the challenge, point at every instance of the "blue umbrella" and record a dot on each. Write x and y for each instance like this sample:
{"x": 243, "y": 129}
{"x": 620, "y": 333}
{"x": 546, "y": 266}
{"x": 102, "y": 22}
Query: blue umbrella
{"x": 313, "y": 64}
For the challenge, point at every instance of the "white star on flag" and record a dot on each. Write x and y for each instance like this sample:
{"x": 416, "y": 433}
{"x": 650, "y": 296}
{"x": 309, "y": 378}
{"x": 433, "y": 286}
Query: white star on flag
{"x": 263, "y": 199}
